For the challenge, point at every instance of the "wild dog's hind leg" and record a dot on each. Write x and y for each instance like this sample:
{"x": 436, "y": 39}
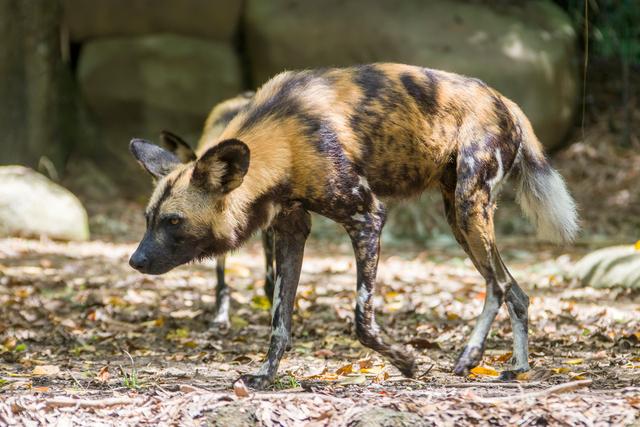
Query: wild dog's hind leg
{"x": 518, "y": 304}
{"x": 221, "y": 319}
{"x": 477, "y": 228}
{"x": 475, "y": 222}
{"x": 364, "y": 230}
{"x": 291, "y": 230}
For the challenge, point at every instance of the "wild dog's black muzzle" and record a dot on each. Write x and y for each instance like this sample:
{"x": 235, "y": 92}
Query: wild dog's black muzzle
{"x": 150, "y": 258}
{"x": 139, "y": 261}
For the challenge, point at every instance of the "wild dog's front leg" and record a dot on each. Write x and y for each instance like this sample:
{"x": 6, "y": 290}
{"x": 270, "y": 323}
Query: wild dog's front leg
{"x": 291, "y": 231}
{"x": 221, "y": 319}
{"x": 269, "y": 277}
{"x": 364, "y": 231}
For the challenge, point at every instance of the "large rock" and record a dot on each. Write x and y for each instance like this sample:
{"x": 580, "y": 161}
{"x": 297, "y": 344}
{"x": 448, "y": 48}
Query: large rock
{"x": 525, "y": 49}
{"x": 139, "y": 86}
{"x": 33, "y": 206}
{"x": 610, "y": 267}
{"x": 168, "y": 74}
{"x": 88, "y": 19}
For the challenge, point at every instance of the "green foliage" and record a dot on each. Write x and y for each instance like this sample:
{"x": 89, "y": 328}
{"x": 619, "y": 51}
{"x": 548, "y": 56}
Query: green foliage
{"x": 286, "y": 382}
{"x": 614, "y": 27}
{"x": 130, "y": 379}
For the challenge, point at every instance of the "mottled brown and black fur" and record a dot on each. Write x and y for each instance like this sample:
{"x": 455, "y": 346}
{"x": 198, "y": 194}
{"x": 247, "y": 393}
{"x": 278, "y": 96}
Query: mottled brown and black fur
{"x": 340, "y": 142}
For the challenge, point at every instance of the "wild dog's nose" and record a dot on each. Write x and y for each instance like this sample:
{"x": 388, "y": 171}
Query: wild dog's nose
{"x": 138, "y": 261}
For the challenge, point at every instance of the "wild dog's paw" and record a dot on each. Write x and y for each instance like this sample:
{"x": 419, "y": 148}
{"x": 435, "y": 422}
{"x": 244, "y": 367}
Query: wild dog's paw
{"x": 407, "y": 367}
{"x": 220, "y": 324}
{"x": 404, "y": 361}
{"x": 256, "y": 382}
{"x": 470, "y": 357}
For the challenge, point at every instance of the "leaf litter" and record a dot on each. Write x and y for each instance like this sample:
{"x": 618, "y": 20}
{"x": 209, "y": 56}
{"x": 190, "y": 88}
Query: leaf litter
{"x": 85, "y": 340}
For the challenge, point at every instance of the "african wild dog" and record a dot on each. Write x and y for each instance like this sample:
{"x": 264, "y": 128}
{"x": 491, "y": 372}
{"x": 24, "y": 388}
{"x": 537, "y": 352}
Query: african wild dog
{"x": 338, "y": 142}
{"x": 216, "y": 121}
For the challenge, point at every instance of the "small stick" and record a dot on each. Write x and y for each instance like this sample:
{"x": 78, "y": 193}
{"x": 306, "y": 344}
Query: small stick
{"x": 560, "y": 388}
{"x": 76, "y": 380}
{"x": 497, "y": 384}
{"x": 86, "y": 403}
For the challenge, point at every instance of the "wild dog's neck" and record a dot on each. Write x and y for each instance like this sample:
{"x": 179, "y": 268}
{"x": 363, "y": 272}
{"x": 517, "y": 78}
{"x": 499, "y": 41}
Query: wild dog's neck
{"x": 255, "y": 203}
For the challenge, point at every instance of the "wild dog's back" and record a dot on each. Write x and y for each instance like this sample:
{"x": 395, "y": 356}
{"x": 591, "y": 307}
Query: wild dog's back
{"x": 395, "y": 125}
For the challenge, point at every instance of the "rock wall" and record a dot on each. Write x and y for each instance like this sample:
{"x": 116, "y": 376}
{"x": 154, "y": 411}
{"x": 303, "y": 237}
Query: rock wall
{"x": 140, "y": 66}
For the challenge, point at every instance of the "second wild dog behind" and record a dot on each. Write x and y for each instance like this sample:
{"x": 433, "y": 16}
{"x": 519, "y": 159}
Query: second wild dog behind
{"x": 339, "y": 142}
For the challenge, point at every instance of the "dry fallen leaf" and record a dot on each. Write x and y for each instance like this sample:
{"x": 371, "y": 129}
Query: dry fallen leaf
{"x": 382, "y": 377}
{"x": 46, "y": 370}
{"x": 574, "y": 361}
{"x": 103, "y": 374}
{"x": 345, "y": 370}
{"x": 504, "y": 357}
{"x": 353, "y": 379}
{"x": 485, "y": 370}
{"x": 240, "y": 389}
{"x": 365, "y": 364}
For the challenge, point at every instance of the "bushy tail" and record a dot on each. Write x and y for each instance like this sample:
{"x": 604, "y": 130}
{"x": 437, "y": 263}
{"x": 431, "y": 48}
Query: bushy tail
{"x": 542, "y": 192}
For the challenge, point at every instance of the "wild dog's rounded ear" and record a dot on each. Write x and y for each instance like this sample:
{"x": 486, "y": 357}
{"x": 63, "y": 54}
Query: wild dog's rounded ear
{"x": 155, "y": 160}
{"x": 177, "y": 146}
{"x": 223, "y": 166}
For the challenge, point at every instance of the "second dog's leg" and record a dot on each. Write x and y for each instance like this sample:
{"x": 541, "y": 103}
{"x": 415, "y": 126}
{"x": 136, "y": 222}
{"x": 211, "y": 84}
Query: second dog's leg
{"x": 221, "y": 319}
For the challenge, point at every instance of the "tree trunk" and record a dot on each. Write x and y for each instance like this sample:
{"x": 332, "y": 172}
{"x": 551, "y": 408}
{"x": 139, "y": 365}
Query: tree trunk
{"x": 36, "y": 115}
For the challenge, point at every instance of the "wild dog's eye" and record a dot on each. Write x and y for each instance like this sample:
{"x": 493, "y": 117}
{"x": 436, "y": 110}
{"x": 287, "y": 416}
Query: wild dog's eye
{"x": 172, "y": 220}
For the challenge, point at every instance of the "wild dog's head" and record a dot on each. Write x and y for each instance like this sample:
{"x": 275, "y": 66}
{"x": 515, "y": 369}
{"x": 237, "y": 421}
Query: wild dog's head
{"x": 188, "y": 213}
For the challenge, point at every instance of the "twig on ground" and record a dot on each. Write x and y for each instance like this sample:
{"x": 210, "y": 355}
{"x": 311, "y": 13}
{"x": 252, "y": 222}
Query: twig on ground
{"x": 560, "y": 388}
{"x": 76, "y": 380}
{"x": 497, "y": 384}
{"x": 425, "y": 373}
{"x": 87, "y": 403}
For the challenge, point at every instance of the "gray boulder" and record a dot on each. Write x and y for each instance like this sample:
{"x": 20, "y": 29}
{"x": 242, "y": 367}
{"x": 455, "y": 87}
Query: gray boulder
{"x": 527, "y": 50}
{"x": 151, "y": 75}
{"x": 610, "y": 267}
{"x": 216, "y": 19}
{"x": 138, "y": 86}
{"x": 32, "y": 206}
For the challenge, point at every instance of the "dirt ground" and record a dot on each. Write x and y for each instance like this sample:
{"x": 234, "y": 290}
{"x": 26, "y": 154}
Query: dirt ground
{"x": 85, "y": 340}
